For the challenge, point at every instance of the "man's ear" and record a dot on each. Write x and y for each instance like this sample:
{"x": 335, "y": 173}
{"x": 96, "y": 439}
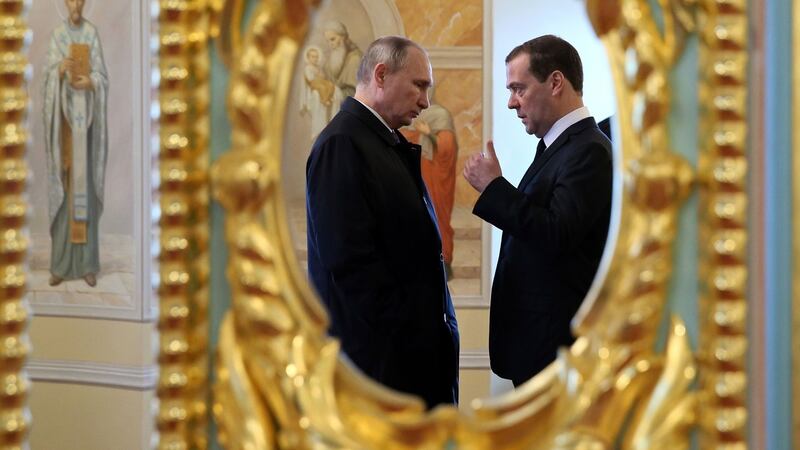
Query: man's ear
{"x": 557, "y": 81}
{"x": 379, "y": 74}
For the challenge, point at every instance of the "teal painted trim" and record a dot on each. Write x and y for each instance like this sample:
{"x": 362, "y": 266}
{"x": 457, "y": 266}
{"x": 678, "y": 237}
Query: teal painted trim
{"x": 684, "y": 118}
{"x": 683, "y": 131}
{"x": 219, "y": 142}
{"x": 658, "y": 14}
{"x": 778, "y": 210}
{"x": 220, "y": 293}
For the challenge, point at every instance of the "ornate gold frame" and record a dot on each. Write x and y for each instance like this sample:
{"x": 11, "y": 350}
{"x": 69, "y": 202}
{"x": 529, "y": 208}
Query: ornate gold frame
{"x": 15, "y": 417}
{"x": 281, "y": 381}
{"x": 183, "y": 193}
{"x": 723, "y": 169}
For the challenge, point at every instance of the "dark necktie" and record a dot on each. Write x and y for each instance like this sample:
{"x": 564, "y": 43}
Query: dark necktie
{"x": 539, "y": 149}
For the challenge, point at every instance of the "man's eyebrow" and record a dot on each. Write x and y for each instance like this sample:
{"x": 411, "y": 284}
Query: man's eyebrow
{"x": 513, "y": 85}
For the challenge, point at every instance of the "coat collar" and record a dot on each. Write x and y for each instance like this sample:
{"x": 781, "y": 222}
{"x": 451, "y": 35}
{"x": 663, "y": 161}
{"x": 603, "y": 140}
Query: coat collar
{"x": 354, "y": 107}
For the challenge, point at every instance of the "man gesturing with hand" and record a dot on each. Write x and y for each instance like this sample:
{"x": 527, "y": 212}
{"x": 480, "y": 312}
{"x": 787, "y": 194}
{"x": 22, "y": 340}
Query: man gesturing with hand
{"x": 555, "y": 221}
{"x": 482, "y": 168}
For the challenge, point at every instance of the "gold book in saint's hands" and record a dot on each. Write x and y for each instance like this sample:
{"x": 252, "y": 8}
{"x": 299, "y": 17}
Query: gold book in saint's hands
{"x": 79, "y": 53}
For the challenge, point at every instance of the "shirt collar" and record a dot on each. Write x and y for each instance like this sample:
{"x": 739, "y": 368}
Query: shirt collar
{"x": 565, "y": 122}
{"x": 376, "y": 114}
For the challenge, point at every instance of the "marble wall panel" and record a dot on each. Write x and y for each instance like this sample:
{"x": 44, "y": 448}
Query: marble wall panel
{"x": 460, "y": 91}
{"x": 443, "y": 23}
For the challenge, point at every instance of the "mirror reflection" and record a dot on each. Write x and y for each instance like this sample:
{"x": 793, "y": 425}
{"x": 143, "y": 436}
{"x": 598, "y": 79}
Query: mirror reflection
{"x": 378, "y": 245}
{"x": 440, "y": 255}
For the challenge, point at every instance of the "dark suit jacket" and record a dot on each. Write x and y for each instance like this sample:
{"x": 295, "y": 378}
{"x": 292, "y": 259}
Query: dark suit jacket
{"x": 375, "y": 256}
{"x": 605, "y": 127}
{"x": 554, "y": 231}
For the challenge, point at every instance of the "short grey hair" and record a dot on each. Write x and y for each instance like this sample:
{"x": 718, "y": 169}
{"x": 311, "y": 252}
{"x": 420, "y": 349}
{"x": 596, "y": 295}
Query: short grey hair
{"x": 389, "y": 50}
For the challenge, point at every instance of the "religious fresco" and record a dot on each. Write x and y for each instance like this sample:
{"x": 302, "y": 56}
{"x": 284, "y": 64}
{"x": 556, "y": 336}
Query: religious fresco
{"x": 329, "y": 76}
{"x": 435, "y": 132}
{"x": 86, "y": 156}
{"x": 76, "y": 141}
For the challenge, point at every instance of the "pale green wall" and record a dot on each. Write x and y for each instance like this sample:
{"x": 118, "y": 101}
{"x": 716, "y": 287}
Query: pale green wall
{"x": 778, "y": 209}
{"x": 683, "y": 119}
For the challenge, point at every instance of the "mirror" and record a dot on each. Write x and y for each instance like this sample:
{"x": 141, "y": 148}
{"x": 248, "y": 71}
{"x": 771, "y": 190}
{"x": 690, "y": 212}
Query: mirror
{"x": 467, "y": 107}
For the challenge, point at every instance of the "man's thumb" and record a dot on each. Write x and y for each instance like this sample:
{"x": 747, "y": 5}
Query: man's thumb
{"x": 490, "y": 150}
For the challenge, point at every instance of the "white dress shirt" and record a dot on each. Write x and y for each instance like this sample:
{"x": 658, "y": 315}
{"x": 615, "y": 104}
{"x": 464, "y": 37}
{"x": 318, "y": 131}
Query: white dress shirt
{"x": 563, "y": 123}
{"x": 376, "y": 114}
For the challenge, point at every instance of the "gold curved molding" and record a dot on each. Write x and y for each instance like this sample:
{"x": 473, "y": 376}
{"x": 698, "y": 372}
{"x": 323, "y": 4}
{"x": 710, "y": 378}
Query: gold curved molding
{"x": 282, "y": 381}
{"x": 183, "y": 95}
{"x": 15, "y": 416}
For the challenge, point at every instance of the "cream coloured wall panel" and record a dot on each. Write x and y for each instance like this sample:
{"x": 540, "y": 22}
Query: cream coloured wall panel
{"x": 78, "y": 417}
{"x": 473, "y": 383}
{"x": 118, "y": 342}
{"x": 473, "y": 324}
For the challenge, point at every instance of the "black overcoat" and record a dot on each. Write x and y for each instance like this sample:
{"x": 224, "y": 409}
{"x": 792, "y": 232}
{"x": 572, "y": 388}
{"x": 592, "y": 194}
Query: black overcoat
{"x": 375, "y": 256}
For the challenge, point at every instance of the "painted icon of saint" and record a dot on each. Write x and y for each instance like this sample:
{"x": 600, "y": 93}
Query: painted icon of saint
{"x": 76, "y": 136}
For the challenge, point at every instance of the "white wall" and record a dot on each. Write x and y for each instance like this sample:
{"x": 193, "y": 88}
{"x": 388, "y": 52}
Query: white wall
{"x": 514, "y": 22}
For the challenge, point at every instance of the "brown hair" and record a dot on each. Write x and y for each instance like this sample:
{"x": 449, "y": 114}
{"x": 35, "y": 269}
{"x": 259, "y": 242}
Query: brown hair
{"x": 549, "y": 53}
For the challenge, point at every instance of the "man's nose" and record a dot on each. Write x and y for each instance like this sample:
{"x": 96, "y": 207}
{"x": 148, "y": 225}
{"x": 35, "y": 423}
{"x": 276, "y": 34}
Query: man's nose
{"x": 424, "y": 102}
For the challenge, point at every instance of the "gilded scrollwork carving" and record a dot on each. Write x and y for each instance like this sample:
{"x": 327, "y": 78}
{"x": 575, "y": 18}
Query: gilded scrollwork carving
{"x": 183, "y": 94}
{"x": 283, "y": 382}
{"x": 15, "y": 416}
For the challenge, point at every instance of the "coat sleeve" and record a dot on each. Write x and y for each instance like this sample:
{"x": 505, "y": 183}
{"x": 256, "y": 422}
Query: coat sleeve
{"x": 343, "y": 229}
{"x": 581, "y": 193}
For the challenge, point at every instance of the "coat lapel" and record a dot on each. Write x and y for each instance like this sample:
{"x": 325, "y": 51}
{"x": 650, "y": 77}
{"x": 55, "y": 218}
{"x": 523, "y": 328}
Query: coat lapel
{"x": 540, "y": 162}
{"x": 409, "y": 154}
{"x": 355, "y": 108}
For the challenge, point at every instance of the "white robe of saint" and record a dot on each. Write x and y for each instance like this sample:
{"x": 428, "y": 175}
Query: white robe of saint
{"x": 79, "y": 197}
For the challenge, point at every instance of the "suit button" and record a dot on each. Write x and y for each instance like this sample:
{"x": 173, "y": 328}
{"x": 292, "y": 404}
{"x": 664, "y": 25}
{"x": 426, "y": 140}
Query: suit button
{"x": 441, "y": 257}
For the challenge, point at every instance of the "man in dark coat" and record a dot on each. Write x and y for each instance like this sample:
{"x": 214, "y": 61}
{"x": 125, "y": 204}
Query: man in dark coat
{"x": 555, "y": 222}
{"x": 374, "y": 251}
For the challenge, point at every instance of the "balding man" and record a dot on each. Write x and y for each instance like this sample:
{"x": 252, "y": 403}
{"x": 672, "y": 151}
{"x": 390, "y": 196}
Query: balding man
{"x": 374, "y": 251}
{"x": 343, "y": 59}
